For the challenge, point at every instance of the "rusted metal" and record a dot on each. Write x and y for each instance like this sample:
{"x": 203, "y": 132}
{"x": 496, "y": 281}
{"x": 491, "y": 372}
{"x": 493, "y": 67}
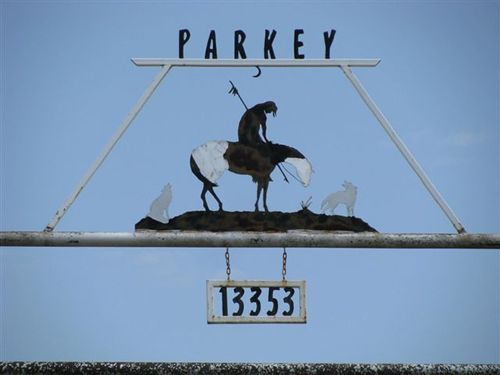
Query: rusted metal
{"x": 296, "y": 238}
{"x": 90, "y": 368}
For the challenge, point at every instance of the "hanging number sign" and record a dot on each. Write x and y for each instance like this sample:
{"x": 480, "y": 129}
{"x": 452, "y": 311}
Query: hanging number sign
{"x": 232, "y": 301}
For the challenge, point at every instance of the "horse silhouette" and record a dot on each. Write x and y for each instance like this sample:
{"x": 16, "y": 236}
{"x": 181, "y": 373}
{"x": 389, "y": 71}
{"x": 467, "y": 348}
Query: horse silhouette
{"x": 210, "y": 160}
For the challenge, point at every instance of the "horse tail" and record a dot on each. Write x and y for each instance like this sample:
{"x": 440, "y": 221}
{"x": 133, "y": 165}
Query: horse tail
{"x": 196, "y": 171}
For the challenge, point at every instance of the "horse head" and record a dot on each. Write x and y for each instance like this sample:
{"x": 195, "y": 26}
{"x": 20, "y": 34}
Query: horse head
{"x": 290, "y": 155}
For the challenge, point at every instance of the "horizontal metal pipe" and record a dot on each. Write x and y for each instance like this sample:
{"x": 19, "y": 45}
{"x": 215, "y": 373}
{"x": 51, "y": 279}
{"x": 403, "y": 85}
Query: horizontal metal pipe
{"x": 284, "y": 63}
{"x": 297, "y": 238}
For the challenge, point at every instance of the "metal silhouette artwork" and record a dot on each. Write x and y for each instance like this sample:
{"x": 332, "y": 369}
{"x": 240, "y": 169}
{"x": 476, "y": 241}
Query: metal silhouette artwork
{"x": 346, "y": 197}
{"x": 259, "y": 72}
{"x": 251, "y": 155}
{"x": 305, "y": 204}
{"x": 269, "y": 60}
{"x": 159, "y": 207}
{"x": 252, "y": 121}
{"x": 210, "y": 160}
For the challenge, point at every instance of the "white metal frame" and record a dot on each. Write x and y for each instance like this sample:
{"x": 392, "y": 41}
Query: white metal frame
{"x": 297, "y": 238}
{"x": 296, "y": 284}
{"x": 268, "y": 63}
{"x": 344, "y": 64}
{"x": 106, "y": 151}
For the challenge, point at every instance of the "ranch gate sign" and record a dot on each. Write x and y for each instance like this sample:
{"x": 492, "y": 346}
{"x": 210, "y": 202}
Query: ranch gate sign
{"x": 259, "y": 301}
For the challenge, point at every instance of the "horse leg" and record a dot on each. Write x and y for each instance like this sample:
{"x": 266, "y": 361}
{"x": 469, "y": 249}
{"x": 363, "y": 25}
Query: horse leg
{"x": 203, "y": 197}
{"x": 259, "y": 189}
{"x": 211, "y": 190}
{"x": 266, "y": 185}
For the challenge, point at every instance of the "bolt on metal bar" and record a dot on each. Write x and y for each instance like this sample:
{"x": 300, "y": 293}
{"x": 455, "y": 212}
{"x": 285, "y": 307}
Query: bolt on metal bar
{"x": 403, "y": 149}
{"x": 291, "y": 239}
{"x": 105, "y": 152}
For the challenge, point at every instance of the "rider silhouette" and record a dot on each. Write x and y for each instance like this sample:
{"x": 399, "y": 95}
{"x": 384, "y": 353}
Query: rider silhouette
{"x": 252, "y": 120}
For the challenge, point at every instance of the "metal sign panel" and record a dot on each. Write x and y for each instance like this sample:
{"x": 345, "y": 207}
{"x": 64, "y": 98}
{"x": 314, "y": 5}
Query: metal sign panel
{"x": 344, "y": 64}
{"x": 256, "y": 301}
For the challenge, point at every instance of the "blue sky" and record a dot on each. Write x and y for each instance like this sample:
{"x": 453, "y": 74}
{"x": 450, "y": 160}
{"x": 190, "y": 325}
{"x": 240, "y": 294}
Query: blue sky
{"x": 67, "y": 83}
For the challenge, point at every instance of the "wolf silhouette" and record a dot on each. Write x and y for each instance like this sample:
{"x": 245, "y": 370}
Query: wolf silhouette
{"x": 346, "y": 197}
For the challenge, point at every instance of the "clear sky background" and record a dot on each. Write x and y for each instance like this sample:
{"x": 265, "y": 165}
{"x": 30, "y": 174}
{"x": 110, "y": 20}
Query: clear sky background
{"x": 66, "y": 84}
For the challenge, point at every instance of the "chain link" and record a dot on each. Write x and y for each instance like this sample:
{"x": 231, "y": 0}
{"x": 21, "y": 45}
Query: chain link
{"x": 283, "y": 272}
{"x": 228, "y": 264}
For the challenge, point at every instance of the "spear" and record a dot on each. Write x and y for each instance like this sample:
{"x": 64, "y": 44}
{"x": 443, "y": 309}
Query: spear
{"x": 234, "y": 91}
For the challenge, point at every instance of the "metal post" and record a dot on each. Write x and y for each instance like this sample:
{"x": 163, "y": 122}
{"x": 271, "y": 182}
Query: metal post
{"x": 403, "y": 149}
{"x": 116, "y": 137}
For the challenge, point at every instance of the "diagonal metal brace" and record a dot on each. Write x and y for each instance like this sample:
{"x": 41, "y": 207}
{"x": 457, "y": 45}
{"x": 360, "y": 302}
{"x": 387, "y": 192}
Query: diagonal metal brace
{"x": 403, "y": 149}
{"x": 116, "y": 137}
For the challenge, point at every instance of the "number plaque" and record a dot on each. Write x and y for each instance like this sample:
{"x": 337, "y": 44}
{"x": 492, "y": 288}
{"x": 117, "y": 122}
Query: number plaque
{"x": 253, "y": 301}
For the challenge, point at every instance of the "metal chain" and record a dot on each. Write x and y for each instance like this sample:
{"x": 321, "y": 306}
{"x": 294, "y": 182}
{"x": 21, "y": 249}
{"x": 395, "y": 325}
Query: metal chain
{"x": 283, "y": 272}
{"x": 228, "y": 264}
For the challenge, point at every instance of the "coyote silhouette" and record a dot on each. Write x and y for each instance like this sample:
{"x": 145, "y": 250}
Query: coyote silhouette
{"x": 159, "y": 207}
{"x": 346, "y": 197}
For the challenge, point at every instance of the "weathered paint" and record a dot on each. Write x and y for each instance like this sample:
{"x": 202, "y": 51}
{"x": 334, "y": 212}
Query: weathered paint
{"x": 246, "y": 319}
{"x": 209, "y": 158}
{"x": 295, "y": 238}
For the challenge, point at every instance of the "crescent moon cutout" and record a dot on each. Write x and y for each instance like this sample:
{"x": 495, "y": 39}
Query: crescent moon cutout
{"x": 259, "y": 72}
